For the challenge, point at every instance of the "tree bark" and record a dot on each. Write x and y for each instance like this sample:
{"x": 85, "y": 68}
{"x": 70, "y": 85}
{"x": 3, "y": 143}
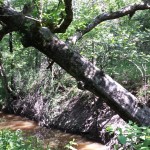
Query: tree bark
{"x": 8, "y": 91}
{"x": 12, "y": 82}
{"x": 91, "y": 78}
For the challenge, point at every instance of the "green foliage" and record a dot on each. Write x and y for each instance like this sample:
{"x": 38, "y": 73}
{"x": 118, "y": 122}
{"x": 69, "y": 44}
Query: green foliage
{"x": 120, "y": 47}
{"x": 1, "y": 2}
{"x": 132, "y": 137}
{"x": 71, "y": 144}
{"x": 53, "y": 14}
{"x": 115, "y": 5}
{"x": 50, "y": 12}
{"x": 14, "y": 140}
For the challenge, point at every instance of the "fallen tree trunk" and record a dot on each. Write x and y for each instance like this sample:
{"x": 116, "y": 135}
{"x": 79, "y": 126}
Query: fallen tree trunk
{"x": 96, "y": 81}
{"x": 88, "y": 75}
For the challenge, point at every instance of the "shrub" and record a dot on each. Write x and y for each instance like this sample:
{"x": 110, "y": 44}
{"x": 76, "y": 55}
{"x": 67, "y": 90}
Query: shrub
{"x": 132, "y": 137}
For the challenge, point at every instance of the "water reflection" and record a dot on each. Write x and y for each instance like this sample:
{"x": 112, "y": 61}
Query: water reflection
{"x": 54, "y": 138}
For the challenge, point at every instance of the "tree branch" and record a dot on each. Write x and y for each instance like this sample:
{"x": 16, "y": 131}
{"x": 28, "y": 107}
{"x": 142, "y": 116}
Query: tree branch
{"x": 9, "y": 18}
{"x": 68, "y": 18}
{"x": 109, "y": 16}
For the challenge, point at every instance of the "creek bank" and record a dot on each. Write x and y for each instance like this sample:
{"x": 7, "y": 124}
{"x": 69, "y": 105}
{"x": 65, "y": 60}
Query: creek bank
{"x": 54, "y": 139}
{"x": 84, "y": 114}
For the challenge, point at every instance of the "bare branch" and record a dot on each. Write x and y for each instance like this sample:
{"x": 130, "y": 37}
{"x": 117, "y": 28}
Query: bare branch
{"x": 68, "y": 18}
{"x": 109, "y": 16}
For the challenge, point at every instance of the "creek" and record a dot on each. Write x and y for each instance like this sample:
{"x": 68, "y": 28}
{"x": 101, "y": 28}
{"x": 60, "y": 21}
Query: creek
{"x": 56, "y": 139}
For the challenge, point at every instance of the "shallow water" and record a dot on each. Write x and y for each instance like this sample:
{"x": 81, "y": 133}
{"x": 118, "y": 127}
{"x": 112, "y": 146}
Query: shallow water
{"x": 56, "y": 139}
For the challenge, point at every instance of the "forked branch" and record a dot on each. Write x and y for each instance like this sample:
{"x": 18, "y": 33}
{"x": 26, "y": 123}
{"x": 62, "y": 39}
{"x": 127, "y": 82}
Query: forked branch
{"x": 68, "y": 18}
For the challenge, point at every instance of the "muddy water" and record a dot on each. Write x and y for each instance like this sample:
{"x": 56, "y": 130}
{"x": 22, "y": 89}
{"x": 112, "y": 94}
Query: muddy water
{"x": 54, "y": 138}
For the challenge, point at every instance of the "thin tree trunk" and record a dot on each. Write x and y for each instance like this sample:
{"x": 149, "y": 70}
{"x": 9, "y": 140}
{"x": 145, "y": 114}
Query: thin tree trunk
{"x": 12, "y": 83}
{"x": 4, "y": 79}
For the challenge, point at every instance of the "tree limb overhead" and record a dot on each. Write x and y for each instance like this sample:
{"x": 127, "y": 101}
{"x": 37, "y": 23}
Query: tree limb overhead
{"x": 109, "y": 16}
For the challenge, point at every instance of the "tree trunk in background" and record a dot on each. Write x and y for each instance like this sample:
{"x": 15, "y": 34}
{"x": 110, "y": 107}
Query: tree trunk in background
{"x": 12, "y": 82}
{"x": 4, "y": 79}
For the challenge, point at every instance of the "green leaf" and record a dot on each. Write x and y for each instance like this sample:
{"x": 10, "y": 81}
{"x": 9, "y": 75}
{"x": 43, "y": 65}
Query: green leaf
{"x": 110, "y": 128}
{"x": 122, "y": 139}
